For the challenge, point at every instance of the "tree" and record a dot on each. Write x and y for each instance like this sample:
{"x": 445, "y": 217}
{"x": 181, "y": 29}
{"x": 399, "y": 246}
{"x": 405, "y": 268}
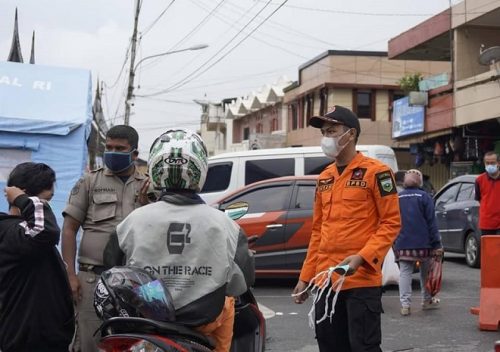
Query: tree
{"x": 409, "y": 82}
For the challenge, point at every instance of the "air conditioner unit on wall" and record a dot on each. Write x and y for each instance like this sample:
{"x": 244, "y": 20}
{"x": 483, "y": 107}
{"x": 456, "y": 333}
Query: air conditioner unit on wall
{"x": 418, "y": 99}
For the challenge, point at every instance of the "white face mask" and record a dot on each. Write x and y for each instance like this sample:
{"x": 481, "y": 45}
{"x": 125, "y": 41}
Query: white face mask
{"x": 331, "y": 146}
{"x": 491, "y": 169}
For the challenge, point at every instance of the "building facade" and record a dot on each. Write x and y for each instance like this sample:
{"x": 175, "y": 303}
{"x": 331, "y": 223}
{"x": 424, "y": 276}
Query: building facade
{"x": 462, "y": 118}
{"x": 364, "y": 81}
{"x": 256, "y": 121}
{"x": 259, "y": 121}
{"x": 215, "y": 129}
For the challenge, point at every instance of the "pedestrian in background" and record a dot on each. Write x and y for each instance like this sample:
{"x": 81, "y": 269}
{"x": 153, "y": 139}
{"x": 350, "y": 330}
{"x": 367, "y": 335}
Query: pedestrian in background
{"x": 98, "y": 202}
{"x": 418, "y": 240}
{"x": 488, "y": 195}
{"x": 36, "y": 309}
{"x": 355, "y": 221}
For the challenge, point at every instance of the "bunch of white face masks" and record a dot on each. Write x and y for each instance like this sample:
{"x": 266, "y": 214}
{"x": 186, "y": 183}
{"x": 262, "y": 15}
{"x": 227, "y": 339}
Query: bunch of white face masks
{"x": 321, "y": 284}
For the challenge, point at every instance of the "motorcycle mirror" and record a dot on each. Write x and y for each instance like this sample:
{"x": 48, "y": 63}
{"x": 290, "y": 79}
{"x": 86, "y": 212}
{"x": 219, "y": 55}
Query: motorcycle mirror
{"x": 236, "y": 210}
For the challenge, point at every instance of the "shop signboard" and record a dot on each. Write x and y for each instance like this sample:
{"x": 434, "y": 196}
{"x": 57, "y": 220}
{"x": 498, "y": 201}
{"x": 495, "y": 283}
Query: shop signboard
{"x": 406, "y": 119}
{"x": 433, "y": 82}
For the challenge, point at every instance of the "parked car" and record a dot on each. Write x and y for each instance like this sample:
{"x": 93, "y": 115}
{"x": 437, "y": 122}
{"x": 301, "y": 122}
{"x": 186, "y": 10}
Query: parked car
{"x": 279, "y": 213}
{"x": 228, "y": 172}
{"x": 457, "y": 214}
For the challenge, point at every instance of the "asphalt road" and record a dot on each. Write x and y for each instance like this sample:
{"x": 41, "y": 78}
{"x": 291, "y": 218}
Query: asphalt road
{"x": 450, "y": 328}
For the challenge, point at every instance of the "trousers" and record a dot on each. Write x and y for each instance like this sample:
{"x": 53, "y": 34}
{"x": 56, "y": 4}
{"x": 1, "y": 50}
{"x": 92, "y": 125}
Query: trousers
{"x": 356, "y": 324}
{"x": 87, "y": 321}
{"x": 405, "y": 280}
{"x": 221, "y": 329}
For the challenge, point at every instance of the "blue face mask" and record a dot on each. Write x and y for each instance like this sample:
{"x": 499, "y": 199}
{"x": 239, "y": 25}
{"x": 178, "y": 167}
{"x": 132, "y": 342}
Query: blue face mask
{"x": 491, "y": 169}
{"x": 118, "y": 161}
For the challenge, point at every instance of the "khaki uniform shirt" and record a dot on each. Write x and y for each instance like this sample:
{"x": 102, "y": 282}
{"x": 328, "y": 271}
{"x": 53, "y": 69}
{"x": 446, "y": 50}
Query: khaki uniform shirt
{"x": 100, "y": 200}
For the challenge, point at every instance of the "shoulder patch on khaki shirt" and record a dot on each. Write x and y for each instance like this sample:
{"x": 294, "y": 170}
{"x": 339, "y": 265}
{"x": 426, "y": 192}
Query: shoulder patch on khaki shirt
{"x": 76, "y": 188}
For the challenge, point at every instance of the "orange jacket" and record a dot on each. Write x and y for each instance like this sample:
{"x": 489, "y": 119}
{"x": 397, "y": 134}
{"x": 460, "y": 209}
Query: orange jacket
{"x": 354, "y": 213}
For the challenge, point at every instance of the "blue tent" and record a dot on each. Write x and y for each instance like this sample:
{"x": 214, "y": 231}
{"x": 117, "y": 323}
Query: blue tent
{"x": 45, "y": 116}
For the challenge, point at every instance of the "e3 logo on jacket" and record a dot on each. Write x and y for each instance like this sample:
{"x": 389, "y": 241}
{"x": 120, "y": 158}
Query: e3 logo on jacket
{"x": 178, "y": 237}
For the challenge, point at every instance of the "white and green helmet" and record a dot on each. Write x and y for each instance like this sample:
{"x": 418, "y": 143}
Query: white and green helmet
{"x": 178, "y": 160}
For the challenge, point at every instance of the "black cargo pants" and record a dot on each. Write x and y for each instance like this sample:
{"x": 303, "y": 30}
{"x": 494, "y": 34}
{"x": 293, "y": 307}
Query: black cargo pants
{"x": 355, "y": 326}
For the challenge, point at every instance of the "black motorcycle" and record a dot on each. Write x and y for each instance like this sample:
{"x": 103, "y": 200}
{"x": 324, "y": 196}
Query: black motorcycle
{"x": 139, "y": 316}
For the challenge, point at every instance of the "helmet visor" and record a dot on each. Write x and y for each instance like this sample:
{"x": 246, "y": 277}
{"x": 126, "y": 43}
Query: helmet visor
{"x": 140, "y": 294}
{"x": 154, "y": 301}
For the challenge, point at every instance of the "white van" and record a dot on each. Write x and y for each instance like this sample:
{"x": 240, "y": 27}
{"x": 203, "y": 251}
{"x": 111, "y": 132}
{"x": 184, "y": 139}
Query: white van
{"x": 230, "y": 171}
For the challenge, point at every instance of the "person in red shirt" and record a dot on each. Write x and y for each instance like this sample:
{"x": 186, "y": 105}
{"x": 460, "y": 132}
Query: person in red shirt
{"x": 488, "y": 193}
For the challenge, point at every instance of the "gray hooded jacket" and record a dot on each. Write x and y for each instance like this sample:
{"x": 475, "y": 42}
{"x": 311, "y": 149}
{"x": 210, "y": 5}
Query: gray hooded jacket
{"x": 199, "y": 252}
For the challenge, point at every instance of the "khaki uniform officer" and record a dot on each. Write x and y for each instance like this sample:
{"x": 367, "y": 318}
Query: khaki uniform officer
{"x": 98, "y": 202}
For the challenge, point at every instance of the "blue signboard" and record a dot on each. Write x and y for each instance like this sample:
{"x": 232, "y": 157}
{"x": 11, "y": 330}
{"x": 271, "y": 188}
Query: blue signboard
{"x": 406, "y": 119}
{"x": 43, "y": 99}
{"x": 45, "y": 116}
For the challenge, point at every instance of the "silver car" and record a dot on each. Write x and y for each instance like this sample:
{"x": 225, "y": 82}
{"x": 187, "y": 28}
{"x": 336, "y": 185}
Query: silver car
{"x": 457, "y": 214}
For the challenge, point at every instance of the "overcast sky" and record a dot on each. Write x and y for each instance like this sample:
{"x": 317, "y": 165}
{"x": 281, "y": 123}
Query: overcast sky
{"x": 95, "y": 34}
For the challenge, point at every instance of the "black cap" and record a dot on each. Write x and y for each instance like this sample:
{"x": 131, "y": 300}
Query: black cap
{"x": 337, "y": 114}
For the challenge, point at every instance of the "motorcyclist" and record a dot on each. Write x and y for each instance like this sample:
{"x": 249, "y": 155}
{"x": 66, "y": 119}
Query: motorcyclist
{"x": 199, "y": 252}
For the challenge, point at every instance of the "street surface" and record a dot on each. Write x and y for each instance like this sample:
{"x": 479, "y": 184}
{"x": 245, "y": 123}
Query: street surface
{"x": 450, "y": 328}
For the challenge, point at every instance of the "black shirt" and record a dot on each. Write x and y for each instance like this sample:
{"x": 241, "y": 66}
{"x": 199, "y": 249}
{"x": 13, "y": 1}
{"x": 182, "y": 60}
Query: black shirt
{"x": 36, "y": 306}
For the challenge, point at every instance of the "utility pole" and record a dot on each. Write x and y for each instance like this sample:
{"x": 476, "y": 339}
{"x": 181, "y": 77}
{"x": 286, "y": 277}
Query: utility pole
{"x": 131, "y": 73}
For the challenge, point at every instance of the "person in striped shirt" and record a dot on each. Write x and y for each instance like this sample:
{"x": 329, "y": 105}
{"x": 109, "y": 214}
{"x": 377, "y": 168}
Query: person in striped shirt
{"x": 36, "y": 306}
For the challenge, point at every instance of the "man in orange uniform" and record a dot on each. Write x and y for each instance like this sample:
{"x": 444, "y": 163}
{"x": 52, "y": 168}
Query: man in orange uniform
{"x": 356, "y": 219}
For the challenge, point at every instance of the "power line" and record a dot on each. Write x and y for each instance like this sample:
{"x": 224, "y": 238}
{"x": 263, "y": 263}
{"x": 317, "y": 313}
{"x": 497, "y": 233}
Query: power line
{"x": 343, "y": 12}
{"x": 187, "y": 36}
{"x": 379, "y": 14}
{"x": 186, "y": 102}
{"x": 340, "y": 71}
{"x": 242, "y": 12}
{"x": 350, "y": 71}
{"x": 105, "y": 94}
{"x": 148, "y": 28}
{"x": 395, "y": 64}
{"x": 123, "y": 66}
{"x": 119, "y": 104}
{"x": 187, "y": 79}
{"x": 199, "y": 25}
{"x": 210, "y": 14}
{"x": 235, "y": 79}
{"x": 289, "y": 30}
